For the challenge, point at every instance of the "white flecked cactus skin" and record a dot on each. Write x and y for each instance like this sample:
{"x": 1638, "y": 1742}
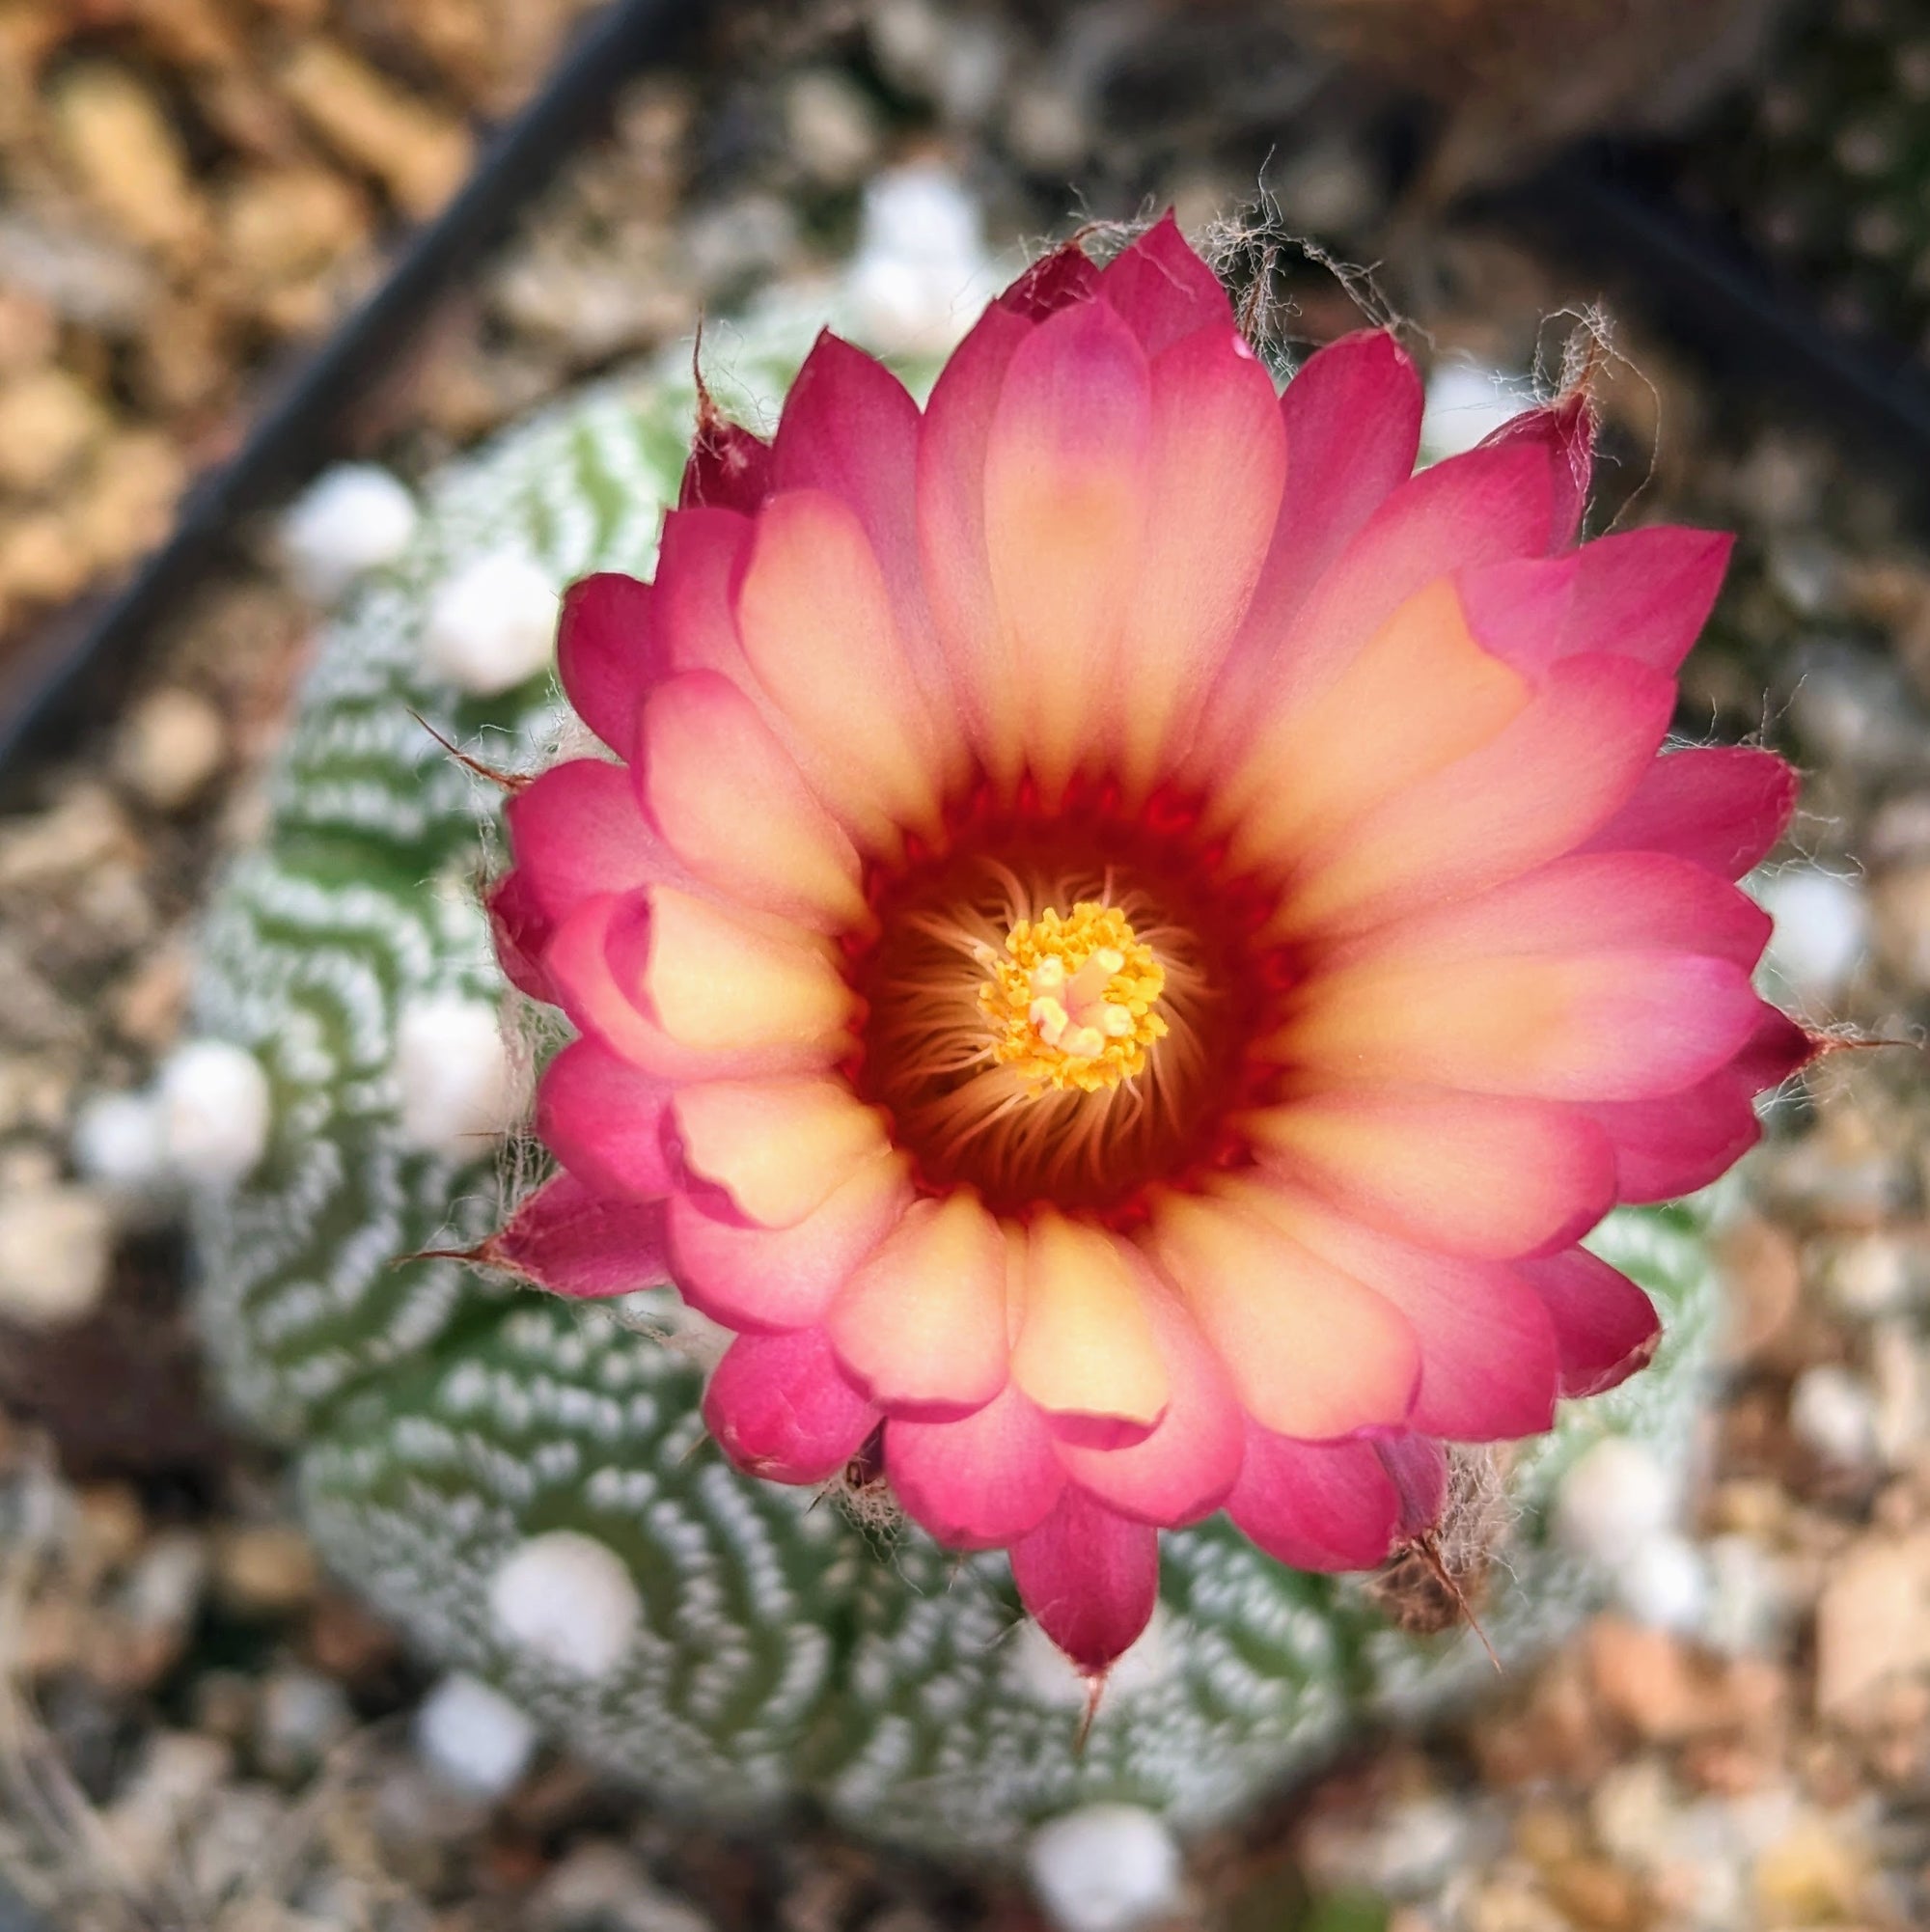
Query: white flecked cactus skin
{"x": 525, "y": 1486}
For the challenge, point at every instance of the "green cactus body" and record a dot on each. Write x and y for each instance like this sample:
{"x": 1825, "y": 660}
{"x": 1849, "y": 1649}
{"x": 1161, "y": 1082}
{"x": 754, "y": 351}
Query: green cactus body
{"x": 464, "y": 1452}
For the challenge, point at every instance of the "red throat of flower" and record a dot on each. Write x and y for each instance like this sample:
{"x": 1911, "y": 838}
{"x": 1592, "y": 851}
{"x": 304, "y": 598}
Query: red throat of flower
{"x": 1064, "y": 1006}
{"x": 1126, "y": 937}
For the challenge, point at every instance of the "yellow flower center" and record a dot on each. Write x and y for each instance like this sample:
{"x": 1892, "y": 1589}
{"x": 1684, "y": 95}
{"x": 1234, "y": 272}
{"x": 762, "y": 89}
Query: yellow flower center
{"x": 1071, "y": 1004}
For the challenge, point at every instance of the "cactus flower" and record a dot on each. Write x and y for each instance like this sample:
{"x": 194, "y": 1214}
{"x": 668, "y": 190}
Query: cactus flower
{"x": 1127, "y": 937}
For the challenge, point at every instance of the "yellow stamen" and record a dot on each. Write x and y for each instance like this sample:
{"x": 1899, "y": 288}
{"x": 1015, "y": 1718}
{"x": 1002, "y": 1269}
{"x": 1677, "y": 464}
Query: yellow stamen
{"x": 1071, "y": 1004}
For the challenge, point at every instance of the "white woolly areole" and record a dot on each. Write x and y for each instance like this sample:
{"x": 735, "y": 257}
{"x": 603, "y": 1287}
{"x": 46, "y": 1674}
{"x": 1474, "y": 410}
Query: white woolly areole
{"x": 351, "y": 520}
{"x": 491, "y": 624}
{"x": 569, "y": 1599}
{"x": 1105, "y": 1868}
{"x": 457, "y": 1084}
{"x": 1042, "y": 1671}
{"x": 474, "y": 1737}
{"x": 1615, "y": 1497}
{"x": 921, "y": 271}
{"x": 216, "y": 1111}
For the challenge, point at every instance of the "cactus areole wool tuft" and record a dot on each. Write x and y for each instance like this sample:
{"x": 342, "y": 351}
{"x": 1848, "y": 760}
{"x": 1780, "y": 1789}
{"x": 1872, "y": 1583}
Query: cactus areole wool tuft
{"x": 1127, "y": 936}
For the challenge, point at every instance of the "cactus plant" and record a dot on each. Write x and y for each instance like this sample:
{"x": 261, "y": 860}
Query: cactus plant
{"x": 524, "y": 1484}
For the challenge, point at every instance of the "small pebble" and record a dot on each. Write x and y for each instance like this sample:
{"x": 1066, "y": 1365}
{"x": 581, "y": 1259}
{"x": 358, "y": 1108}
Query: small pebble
{"x": 1105, "y": 1868}
{"x": 474, "y": 1737}
{"x": 265, "y": 1569}
{"x": 56, "y": 1253}
{"x": 832, "y": 126}
{"x": 491, "y": 625}
{"x": 352, "y": 520}
{"x": 164, "y": 1590}
{"x": 169, "y": 748}
{"x": 600, "y": 1886}
{"x": 301, "y": 1717}
{"x": 1833, "y": 1412}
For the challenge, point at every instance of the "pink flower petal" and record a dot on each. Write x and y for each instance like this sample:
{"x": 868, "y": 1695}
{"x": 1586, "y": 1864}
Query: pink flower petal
{"x": 606, "y": 652}
{"x": 921, "y": 1325}
{"x": 726, "y": 984}
{"x": 1721, "y": 807}
{"x": 1053, "y": 281}
{"x": 570, "y": 1241}
{"x": 951, "y": 515}
{"x": 1315, "y": 1505}
{"x": 1185, "y": 1469}
{"x": 849, "y": 428}
{"x": 1776, "y": 1048}
{"x": 1564, "y": 431}
{"x": 1311, "y": 1352}
{"x": 1087, "y": 1352}
{"x": 1162, "y": 289}
{"x": 1215, "y": 464}
{"x": 1646, "y": 593}
{"x": 1605, "y": 1326}
{"x": 1418, "y": 1466}
{"x": 726, "y": 799}
{"x": 1435, "y": 695}
{"x": 577, "y": 834}
{"x": 1591, "y": 902}
{"x": 815, "y": 619}
{"x": 1479, "y": 508}
{"x": 730, "y": 468}
{"x": 1482, "y": 1175}
{"x": 700, "y": 558}
{"x": 1352, "y": 421}
{"x": 708, "y": 1006}
{"x": 1535, "y": 791}
{"x": 1490, "y": 1367}
{"x": 520, "y": 930}
{"x": 603, "y": 1119}
{"x": 771, "y": 1151}
{"x": 980, "y": 1482}
{"x": 1089, "y": 1578}
{"x": 1667, "y": 1147}
{"x": 780, "y": 1409}
{"x": 1619, "y": 1026}
{"x": 1066, "y": 499}
{"x": 773, "y": 1278}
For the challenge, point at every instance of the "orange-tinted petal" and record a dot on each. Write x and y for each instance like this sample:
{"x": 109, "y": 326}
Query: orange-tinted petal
{"x": 921, "y": 1325}
{"x": 1622, "y": 1026}
{"x": 1533, "y": 791}
{"x": 1087, "y": 1352}
{"x": 1479, "y": 1174}
{"x": 818, "y": 632}
{"x": 1311, "y": 1352}
{"x": 1067, "y": 499}
{"x": 772, "y": 1151}
{"x": 731, "y": 804}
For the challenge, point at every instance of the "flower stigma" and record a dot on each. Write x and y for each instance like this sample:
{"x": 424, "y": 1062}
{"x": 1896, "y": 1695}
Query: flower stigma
{"x": 1072, "y": 1003}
